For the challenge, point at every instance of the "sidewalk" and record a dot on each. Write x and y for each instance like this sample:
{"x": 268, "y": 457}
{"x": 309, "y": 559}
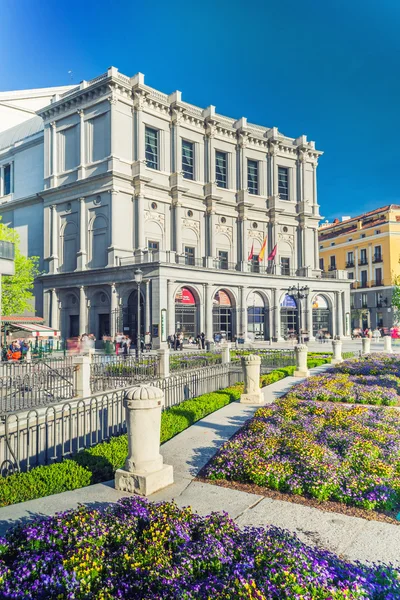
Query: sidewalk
{"x": 188, "y": 452}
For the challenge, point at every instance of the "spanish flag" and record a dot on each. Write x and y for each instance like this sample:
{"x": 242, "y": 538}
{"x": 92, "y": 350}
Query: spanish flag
{"x": 262, "y": 251}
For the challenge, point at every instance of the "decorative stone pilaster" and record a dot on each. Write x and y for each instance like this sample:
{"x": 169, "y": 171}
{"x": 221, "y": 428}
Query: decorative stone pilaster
{"x": 337, "y": 352}
{"x": 301, "y": 352}
{"x": 387, "y": 344}
{"x": 226, "y": 354}
{"x": 366, "y": 345}
{"x": 82, "y": 375}
{"x": 144, "y": 472}
{"x": 251, "y": 370}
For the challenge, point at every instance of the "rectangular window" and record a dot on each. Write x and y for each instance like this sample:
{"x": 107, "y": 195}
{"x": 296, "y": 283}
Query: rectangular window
{"x": 7, "y": 183}
{"x": 351, "y": 275}
{"x": 255, "y": 264}
{"x": 350, "y": 259}
{"x": 188, "y": 159}
{"x": 151, "y": 148}
{"x": 189, "y": 255}
{"x": 363, "y": 257}
{"x": 153, "y": 246}
{"x": 222, "y": 259}
{"x": 221, "y": 169}
{"x": 378, "y": 276}
{"x": 364, "y": 300}
{"x": 285, "y": 266}
{"x": 352, "y": 301}
{"x": 321, "y": 264}
{"x": 68, "y": 149}
{"x": 332, "y": 265}
{"x": 99, "y": 139}
{"x": 377, "y": 253}
{"x": 283, "y": 183}
{"x": 379, "y": 299}
{"x": 377, "y": 231}
{"x": 362, "y": 235}
{"x": 379, "y": 319}
{"x": 363, "y": 278}
{"x": 252, "y": 177}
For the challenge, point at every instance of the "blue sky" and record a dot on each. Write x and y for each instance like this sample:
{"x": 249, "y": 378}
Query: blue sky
{"x": 329, "y": 69}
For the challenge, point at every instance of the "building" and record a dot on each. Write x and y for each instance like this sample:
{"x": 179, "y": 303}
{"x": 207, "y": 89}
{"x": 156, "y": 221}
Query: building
{"x": 368, "y": 247}
{"x": 113, "y": 175}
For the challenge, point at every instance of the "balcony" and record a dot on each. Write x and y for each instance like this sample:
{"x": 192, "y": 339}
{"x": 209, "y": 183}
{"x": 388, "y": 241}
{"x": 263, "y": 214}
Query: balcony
{"x": 377, "y": 283}
{"x": 332, "y": 268}
{"x": 349, "y": 264}
{"x": 363, "y": 284}
{"x": 363, "y": 261}
{"x": 377, "y": 258}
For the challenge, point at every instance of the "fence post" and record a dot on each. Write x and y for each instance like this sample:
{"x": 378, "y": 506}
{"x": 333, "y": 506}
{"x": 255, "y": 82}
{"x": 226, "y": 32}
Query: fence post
{"x": 163, "y": 363}
{"x": 337, "y": 352}
{"x": 226, "y": 354}
{"x": 301, "y": 352}
{"x": 251, "y": 369}
{"x": 366, "y": 345}
{"x": 387, "y": 344}
{"x": 144, "y": 472}
{"x": 82, "y": 366}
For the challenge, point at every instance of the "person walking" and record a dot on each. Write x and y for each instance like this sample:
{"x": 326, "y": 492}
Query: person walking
{"x": 203, "y": 340}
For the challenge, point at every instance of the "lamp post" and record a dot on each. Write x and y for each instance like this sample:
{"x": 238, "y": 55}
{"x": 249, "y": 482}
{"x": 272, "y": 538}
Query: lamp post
{"x": 299, "y": 293}
{"x": 138, "y": 280}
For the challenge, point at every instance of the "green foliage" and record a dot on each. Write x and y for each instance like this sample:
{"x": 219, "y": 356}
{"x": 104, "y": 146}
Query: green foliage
{"x": 276, "y": 375}
{"x": 17, "y": 289}
{"x": 396, "y": 297}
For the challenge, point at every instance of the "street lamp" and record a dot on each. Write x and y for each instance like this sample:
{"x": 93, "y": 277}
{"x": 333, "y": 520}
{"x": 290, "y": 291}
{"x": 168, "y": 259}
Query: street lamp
{"x": 299, "y": 293}
{"x": 138, "y": 280}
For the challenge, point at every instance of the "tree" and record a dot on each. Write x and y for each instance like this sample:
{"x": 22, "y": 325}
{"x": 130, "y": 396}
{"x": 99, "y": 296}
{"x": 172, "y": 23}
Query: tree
{"x": 17, "y": 289}
{"x": 396, "y": 297}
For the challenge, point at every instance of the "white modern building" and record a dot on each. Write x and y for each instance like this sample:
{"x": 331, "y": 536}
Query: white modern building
{"x": 112, "y": 175}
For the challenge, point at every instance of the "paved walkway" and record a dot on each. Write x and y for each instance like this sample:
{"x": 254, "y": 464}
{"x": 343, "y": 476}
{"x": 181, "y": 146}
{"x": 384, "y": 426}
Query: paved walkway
{"x": 188, "y": 452}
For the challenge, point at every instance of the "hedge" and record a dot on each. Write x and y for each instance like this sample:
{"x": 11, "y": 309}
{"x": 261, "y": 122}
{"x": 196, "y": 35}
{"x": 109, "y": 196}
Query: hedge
{"x": 100, "y": 462}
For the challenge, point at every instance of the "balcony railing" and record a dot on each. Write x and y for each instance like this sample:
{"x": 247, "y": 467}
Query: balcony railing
{"x": 7, "y": 250}
{"x": 364, "y": 284}
{"x": 224, "y": 265}
{"x": 332, "y": 268}
{"x": 363, "y": 261}
{"x": 377, "y": 283}
{"x": 377, "y": 258}
{"x": 349, "y": 264}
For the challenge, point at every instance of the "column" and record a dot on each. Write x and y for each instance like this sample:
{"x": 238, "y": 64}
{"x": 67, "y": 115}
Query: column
{"x": 315, "y": 195}
{"x": 339, "y": 311}
{"x": 82, "y": 254}
{"x": 140, "y": 240}
{"x": 54, "y": 310}
{"x": 243, "y": 311}
{"x": 274, "y": 174}
{"x": 113, "y": 145}
{"x": 213, "y": 229}
{"x": 316, "y": 249}
{"x": 54, "y": 239}
{"x": 177, "y": 152}
{"x": 82, "y": 151}
{"x": 307, "y": 315}
{"x": 82, "y": 310}
{"x": 54, "y": 169}
{"x": 244, "y": 235}
{"x": 276, "y": 312}
{"x": 208, "y": 311}
{"x": 139, "y": 102}
{"x": 178, "y": 227}
{"x": 115, "y": 236}
{"x": 170, "y": 307}
{"x": 147, "y": 307}
{"x": 114, "y": 310}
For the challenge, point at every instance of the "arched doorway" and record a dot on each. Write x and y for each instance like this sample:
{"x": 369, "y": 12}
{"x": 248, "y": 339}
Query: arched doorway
{"x": 130, "y": 316}
{"x": 321, "y": 315}
{"x": 223, "y": 321}
{"x": 186, "y": 313}
{"x": 257, "y": 323}
{"x": 289, "y": 316}
{"x": 99, "y": 315}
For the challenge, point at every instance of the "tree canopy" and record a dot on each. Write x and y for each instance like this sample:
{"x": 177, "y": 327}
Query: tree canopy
{"x": 17, "y": 290}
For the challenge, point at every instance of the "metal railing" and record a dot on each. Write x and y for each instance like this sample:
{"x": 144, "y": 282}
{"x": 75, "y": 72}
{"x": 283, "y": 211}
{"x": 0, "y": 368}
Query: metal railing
{"x": 270, "y": 359}
{"x": 112, "y": 372}
{"x": 196, "y": 361}
{"x": 45, "y": 435}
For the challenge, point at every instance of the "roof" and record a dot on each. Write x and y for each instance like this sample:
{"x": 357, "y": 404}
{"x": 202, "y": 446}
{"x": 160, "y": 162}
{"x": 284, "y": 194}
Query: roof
{"x": 15, "y": 134}
{"x": 339, "y": 224}
{"x": 21, "y": 319}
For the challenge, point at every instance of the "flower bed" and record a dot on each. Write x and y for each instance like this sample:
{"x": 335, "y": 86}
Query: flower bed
{"x": 327, "y": 452}
{"x": 135, "y": 549}
{"x": 371, "y": 364}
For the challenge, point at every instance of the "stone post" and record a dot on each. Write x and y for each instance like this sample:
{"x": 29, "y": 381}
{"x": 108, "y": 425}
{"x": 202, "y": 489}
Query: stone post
{"x": 387, "y": 344}
{"x": 301, "y": 352}
{"x": 82, "y": 375}
{"x": 337, "y": 352}
{"x": 366, "y": 345}
{"x": 144, "y": 472}
{"x": 163, "y": 362}
{"x": 226, "y": 354}
{"x": 251, "y": 369}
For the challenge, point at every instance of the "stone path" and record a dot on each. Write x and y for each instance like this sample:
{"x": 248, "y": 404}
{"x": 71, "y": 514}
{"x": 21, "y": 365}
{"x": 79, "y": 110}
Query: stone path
{"x": 188, "y": 452}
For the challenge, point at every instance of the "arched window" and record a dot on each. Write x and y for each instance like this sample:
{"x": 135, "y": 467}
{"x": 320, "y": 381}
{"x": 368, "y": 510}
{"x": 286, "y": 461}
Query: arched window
{"x": 256, "y": 313}
{"x": 186, "y": 313}
{"x": 289, "y": 316}
{"x": 69, "y": 246}
{"x": 223, "y": 321}
{"x": 99, "y": 243}
{"x": 321, "y": 316}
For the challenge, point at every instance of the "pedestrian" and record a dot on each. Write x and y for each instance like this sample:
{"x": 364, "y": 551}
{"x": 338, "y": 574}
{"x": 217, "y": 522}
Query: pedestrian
{"x": 203, "y": 341}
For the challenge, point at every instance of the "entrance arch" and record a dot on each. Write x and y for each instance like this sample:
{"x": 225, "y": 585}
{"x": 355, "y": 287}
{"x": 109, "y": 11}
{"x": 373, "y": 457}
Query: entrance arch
{"x": 257, "y": 322}
{"x": 289, "y": 316}
{"x": 223, "y": 315}
{"x": 130, "y": 316}
{"x": 186, "y": 312}
{"x": 321, "y": 315}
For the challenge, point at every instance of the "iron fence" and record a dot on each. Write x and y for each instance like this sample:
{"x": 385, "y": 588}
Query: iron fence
{"x": 111, "y": 372}
{"x": 45, "y": 435}
{"x": 184, "y": 361}
{"x": 270, "y": 359}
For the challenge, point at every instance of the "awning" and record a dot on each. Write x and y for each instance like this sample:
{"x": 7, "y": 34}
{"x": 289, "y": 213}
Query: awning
{"x": 34, "y": 329}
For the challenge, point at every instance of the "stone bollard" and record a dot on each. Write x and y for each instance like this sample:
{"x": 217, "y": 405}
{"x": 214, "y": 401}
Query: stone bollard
{"x": 82, "y": 375}
{"x": 301, "y": 352}
{"x": 226, "y": 354}
{"x": 366, "y": 345}
{"x": 144, "y": 472}
{"x": 387, "y": 344}
{"x": 163, "y": 363}
{"x": 337, "y": 352}
{"x": 251, "y": 368}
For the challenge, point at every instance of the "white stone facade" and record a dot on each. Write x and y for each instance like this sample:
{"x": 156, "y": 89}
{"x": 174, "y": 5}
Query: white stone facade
{"x": 94, "y": 209}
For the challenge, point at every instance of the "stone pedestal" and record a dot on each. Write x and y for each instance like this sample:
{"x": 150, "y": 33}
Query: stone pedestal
{"x": 337, "y": 352}
{"x": 226, "y": 354}
{"x": 387, "y": 344}
{"x": 366, "y": 345}
{"x": 163, "y": 362}
{"x": 251, "y": 370}
{"x": 82, "y": 375}
{"x": 301, "y": 352}
{"x": 144, "y": 472}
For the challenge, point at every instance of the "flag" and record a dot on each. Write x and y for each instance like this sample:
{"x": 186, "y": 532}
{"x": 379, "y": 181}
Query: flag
{"x": 272, "y": 254}
{"x": 251, "y": 252}
{"x": 262, "y": 251}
